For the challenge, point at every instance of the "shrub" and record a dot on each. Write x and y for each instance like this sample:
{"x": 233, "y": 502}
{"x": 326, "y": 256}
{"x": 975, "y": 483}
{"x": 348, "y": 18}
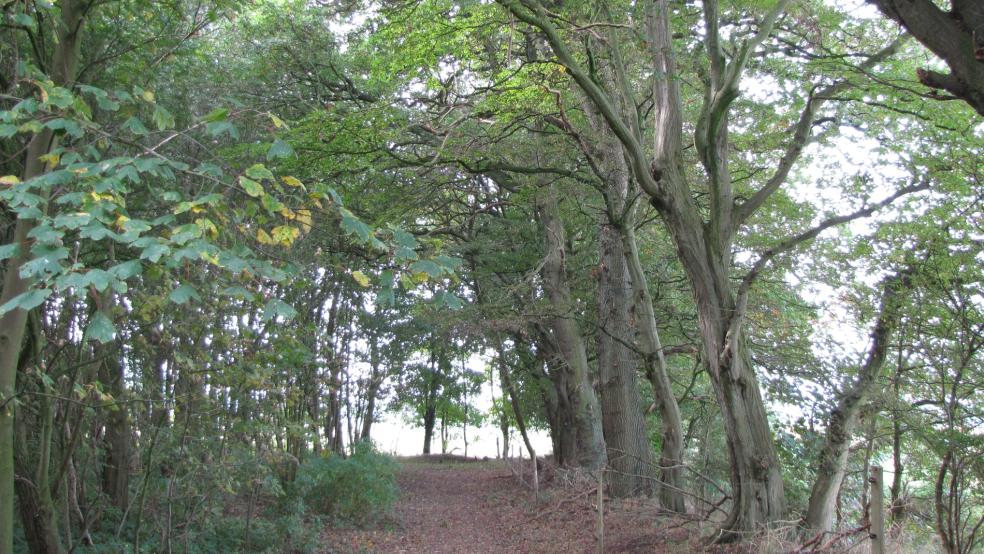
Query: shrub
{"x": 357, "y": 489}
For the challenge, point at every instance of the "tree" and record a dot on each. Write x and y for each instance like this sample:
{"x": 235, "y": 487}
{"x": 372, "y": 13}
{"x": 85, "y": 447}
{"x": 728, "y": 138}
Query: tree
{"x": 704, "y": 243}
{"x": 956, "y": 36}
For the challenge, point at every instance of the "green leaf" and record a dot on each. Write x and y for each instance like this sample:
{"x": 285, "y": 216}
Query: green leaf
{"x": 154, "y": 252}
{"x": 100, "y": 329}
{"x": 428, "y": 267}
{"x": 236, "y": 292}
{"x": 354, "y": 225}
{"x": 98, "y": 278}
{"x": 9, "y": 250}
{"x": 259, "y": 172}
{"x": 135, "y": 126}
{"x": 386, "y": 297}
{"x": 183, "y": 294}
{"x": 216, "y": 128}
{"x": 67, "y": 125}
{"x": 218, "y": 114}
{"x": 126, "y": 270}
{"x": 162, "y": 118}
{"x": 26, "y": 301}
{"x": 251, "y": 187}
{"x": 279, "y": 149}
{"x": 403, "y": 238}
{"x": 24, "y": 20}
{"x": 271, "y": 204}
{"x": 277, "y": 308}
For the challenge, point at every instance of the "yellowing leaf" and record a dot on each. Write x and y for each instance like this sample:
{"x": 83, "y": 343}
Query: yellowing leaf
{"x": 292, "y": 181}
{"x": 263, "y": 237}
{"x": 277, "y": 122}
{"x": 148, "y": 96}
{"x": 304, "y": 218}
{"x": 51, "y": 159}
{"x": 360, "y": 278}
{"x": 9, "y": 180}
{"x": 285, "y": 234}
{"x": 121, "y": 220}
{"x": 207, "y": 226}
{"x": 210, "y": 258}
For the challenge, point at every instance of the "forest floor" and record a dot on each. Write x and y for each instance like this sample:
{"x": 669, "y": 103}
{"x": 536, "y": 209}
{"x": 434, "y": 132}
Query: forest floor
{"x": 451, "y": 505}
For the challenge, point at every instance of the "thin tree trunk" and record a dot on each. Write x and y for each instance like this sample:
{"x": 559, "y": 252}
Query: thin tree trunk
{"x": 117, "y": 436}
{"x": 844, "y": 417}
{"x": 671, "y": 458}
{"x": 509, "y": 389}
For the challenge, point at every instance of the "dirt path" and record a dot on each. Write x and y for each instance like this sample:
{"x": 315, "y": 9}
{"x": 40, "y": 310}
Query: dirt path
{"x": 479, "y": 507}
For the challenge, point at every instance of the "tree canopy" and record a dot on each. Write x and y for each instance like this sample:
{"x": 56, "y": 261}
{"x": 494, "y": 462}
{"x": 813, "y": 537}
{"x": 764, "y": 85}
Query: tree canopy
{"x": 726, "y": 253}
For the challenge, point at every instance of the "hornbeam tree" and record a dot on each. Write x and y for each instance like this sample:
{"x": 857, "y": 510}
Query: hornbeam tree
{"x": 699, "y": 205}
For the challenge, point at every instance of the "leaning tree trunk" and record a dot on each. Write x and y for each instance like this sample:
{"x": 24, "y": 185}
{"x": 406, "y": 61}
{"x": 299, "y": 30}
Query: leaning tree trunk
{"x": 844, "y": 417}
{"x": 510, "y": 390}
{"x": 567, "y": 338}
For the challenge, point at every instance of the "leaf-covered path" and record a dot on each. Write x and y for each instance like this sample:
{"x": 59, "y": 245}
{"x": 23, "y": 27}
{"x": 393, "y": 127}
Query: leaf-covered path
{"x": 480, "y": 507}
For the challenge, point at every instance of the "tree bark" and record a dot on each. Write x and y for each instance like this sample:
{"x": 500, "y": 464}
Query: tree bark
{"x": 117, "y": 436}
{"x": 35, "y": 426}
{"x": 654, "y": 360}
{"x": 956, "y": 36}
{"x": 64, "y": 66}
{"x": 844, "y": 417}
{"x": 627, "y": 440}
{"x": 566, "y": 336}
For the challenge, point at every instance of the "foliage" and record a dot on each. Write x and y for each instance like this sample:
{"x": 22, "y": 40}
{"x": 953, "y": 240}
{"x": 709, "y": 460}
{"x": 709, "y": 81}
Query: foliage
{"x": 357, "y": 489}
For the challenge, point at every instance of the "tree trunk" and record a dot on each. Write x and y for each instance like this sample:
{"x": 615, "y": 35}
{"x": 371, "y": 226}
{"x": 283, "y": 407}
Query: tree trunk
{"x": 627, "y": 440}
{"x": 503, "y": 417}
{"x": 566, "y": 337}
{"x": 35, "y": 428}
{"x": 844, "y": 417}
{"x": 117, "y": 436}
{"x": 64, "y": 64}
{"x": 671, "y": 458}
{"x": 430, "y": 416}
{"x": 509, "y": 389}
{"x": 375, "y": 380}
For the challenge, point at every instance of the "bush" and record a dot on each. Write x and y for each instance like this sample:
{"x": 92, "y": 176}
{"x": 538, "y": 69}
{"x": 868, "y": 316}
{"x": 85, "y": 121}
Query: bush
{"x": 357, "y": 490}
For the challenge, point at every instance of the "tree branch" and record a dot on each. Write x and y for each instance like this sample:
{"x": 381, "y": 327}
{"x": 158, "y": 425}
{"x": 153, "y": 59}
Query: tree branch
{"x": 794, "y": 241}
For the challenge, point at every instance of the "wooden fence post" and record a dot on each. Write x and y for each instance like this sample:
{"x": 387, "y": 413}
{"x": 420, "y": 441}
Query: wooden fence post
{"x": 877, "y": 511}
{"x": 601, "y": 511}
